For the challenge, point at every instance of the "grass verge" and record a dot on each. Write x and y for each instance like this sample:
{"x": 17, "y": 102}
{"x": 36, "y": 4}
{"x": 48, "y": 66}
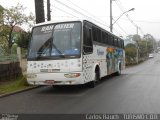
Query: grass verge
{"x": 10, "y": 86}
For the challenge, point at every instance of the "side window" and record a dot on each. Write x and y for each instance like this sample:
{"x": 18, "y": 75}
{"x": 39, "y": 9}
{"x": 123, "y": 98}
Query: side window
{"x": 122, "y": 44}
{"x": 106, "y": 38}
{"x": 119, "y": 43}
{"x": 103, "y": 37}
{"x": 109, "y": 39}
{"x": 99, "y": 35}
{"x": 94, "y": 33}
{"x": 116, "y": 42}
{"x": 87, "y": 40}
{"x": 112, "y": 40}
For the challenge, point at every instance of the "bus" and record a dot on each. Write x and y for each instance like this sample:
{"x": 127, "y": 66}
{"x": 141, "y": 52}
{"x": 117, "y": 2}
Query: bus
{"x": 72, "y": 53}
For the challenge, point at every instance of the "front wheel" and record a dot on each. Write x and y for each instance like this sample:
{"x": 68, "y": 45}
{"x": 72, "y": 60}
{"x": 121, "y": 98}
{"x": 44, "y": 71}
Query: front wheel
{"x": 92, "y": 84}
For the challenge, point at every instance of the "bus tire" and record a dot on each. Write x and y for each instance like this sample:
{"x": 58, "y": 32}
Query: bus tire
{"x": 92, "y": 84}
{"x": 119, "y": 70}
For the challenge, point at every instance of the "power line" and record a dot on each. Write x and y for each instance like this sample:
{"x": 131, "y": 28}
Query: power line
{"x": 122, "y": 29}
{"x": 74, "y": 10}
{"x": 142, "y": 21}
{"x": 85, "y": 11}
{"x": 63, "y": 11}
{"x": 117, "y": 32}
{"x": 64, "y": 16}
{"x": 122, "y": 9}
{"x": 134, "y": 20}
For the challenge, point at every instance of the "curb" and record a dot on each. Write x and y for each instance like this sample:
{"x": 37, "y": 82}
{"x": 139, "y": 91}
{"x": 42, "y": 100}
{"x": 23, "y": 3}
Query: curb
{"x": 18, "y": 91}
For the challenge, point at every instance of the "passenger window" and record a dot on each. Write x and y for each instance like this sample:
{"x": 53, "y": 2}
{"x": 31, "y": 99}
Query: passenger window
{"x": 87, "y": 41}
{"x": 94, "y": 33}
{"x": 116, "y": 42}
{"x": 99, "y": 35}
{"x": 119, "y": 43}
{"x": 103, "y": 37}
{"x": 106, "y": 38}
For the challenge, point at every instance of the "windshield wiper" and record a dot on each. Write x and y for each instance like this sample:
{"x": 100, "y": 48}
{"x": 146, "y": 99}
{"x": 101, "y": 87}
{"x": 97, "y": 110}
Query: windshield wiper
{"x": 43, "y": 49}
{"x": 58, "y": 50}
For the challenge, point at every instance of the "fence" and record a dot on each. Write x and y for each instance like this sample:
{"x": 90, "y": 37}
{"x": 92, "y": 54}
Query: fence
{"x": 11, "y": 58}
{"x": 10, "y": 70}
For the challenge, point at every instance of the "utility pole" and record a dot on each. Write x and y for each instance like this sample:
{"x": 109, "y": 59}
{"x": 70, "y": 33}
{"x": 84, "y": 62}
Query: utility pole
{"x": 137, "y": 29}
{"x": 48, "y": 11}
{"x": 147, "y": 48}
{"x": 111, "y": 25}
{"x": 39, "y": 11}
{"x": 137, "y": 48}
{"x": 137, "y": 53}
{"x": 111, "y": 17}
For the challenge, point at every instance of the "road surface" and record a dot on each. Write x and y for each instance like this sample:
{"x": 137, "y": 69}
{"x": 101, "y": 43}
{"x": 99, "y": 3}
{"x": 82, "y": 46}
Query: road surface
{"x": 137, "y": 90}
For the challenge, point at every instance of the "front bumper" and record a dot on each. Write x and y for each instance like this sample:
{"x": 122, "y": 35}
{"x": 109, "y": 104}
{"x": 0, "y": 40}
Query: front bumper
{"x": 53, "y": 79}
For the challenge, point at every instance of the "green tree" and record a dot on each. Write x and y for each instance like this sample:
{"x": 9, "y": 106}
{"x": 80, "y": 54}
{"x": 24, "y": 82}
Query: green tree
{"x": 159, "y": 43}
{"x": 12, "y": 17}
{"x": 1, "y": 14}
{"x": 151, "y": 42}
{"x": 142, "y": 46}
{"x": 145, "y": 45}
{"x": 135, "y": 37}
{"x": 131, "y": 52}
{"x": 23, "y": 39}
{"x": 3, "y": 45}
{"x": 3, "y": 40}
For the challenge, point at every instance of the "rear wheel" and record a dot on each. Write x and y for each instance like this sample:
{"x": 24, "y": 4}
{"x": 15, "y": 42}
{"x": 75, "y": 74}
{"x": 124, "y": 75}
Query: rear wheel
{"x": 119, "y": 70}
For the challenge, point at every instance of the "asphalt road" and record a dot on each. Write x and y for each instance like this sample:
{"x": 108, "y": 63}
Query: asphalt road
{"x": 137, "y": 90}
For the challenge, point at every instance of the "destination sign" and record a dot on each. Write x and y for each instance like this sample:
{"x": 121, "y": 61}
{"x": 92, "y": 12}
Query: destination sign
{"x": 64, "y": 26}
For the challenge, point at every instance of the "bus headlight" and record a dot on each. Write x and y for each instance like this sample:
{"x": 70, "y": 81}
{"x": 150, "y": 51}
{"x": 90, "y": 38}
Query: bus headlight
{"x": 31, "y": 76}
{"x": 72, "y": 75}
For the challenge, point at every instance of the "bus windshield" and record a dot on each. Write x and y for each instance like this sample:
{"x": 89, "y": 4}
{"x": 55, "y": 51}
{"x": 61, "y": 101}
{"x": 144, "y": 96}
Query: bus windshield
{"x": 55, "y": 41}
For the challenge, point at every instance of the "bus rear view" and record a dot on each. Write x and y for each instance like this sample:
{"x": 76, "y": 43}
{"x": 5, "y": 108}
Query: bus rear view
{"x": 54, "y": 56}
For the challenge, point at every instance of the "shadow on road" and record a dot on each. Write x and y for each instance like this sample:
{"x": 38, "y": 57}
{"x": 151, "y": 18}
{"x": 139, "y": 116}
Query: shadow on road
{"x": 75, "y": 89}
{"x": 64, "y": 90}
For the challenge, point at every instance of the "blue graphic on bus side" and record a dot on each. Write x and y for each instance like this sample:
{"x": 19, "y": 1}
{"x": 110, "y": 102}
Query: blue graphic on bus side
{"x": 100, "y": 52}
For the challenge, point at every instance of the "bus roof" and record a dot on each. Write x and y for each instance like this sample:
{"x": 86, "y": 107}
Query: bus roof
{"x": 59, "y": 21}
{"x": 72, "y": 20}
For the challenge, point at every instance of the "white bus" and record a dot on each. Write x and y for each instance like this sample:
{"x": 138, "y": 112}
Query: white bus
{"x": 73, "y": 52}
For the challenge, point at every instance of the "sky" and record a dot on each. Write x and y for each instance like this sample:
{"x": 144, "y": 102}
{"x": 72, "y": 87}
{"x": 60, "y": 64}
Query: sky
{"x": 145, "y": 17}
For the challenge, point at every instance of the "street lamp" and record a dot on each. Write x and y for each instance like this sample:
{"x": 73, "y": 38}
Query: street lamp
{"x": 122, "y": 15}
{"x": 111, "y": 24}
